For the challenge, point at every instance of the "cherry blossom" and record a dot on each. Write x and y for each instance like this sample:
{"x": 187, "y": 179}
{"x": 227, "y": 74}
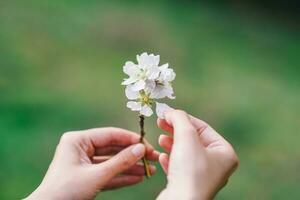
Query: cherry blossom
{"x": 148, "y": 82}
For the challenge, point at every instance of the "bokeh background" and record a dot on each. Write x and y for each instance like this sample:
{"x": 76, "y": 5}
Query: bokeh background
{"x": 237, "y": 65}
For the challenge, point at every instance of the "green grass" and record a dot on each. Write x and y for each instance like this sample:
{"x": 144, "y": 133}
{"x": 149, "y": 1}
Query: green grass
{"x": 61, "y": 68}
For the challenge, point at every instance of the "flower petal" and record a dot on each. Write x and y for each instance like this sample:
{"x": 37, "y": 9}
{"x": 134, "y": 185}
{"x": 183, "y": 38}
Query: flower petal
{"x": 150, "y": 86}
{"x": 130, "y": 68}
{"x": 162, "y": 91}
{"x": 142, "y": 60}
{"x": 166, "y": 74}
{"x": 164, "y": 66}
{"x": 157, "y": 92}
{"x": 131, "y": 94}
{"x": 134, "y": 106}
{"x": 154, "y": 60}
{"x": 129, "y": 81}
{"x": 146, "y": 111}
{"x": 145, "y": 60}
{"x": 139, "y": 85}
{"x": 152, "y": 72}
{"x": 161, "y": 109}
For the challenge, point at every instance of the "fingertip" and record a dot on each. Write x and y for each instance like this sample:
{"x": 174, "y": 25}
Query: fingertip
{"x": 149, "y": 147}
{"x": 156, "y": 153}
{"x": 153, "y": 169}
{"x": 153, "y": 155}
{"x": 164, "y": 161}
{"x": 160, "y": 138}
{"x": 163, "y": 156}
{"x": 164, "y": 139}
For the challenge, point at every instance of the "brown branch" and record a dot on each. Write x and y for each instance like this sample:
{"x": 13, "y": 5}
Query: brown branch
{"x": 142, "y": 132}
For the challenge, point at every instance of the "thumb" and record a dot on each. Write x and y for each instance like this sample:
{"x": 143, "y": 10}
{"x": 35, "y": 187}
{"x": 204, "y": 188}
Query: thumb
{"x": 123, "y": 160}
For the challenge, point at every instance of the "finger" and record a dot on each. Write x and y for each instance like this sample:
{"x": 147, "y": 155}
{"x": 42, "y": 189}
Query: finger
{"x": 122, "y": 161}
{"x": 101, "y": 137}
{"x": 184, "y": 131}
{"x": 164, "y": 161}
{"x": 208, "y": 135}
{"x": 109, "y": 150}
{"x": 100, "y": 159}
{"x": 166, "y": 142}
{"x": 137, "y": 169}
{"x": 122, "y": 181}
{"x": 162, "y": 123}
{"x": 151, "y": 154}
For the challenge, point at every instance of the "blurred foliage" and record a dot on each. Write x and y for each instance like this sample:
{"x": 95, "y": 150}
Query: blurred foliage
{"x": 238, "y": 69}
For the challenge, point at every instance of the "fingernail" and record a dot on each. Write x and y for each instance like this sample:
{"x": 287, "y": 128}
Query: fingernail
{"x": 138, "y": 150}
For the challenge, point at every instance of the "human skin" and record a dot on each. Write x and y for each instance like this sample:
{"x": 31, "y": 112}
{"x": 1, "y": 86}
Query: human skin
{"x": 81, "y": 169}
{"x": 198, "y": 161}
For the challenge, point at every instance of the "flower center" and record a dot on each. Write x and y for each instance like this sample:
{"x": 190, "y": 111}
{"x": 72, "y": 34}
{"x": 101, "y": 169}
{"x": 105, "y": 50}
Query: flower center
{"x": 142, "y": 75}
{"x": 145, "y": 98}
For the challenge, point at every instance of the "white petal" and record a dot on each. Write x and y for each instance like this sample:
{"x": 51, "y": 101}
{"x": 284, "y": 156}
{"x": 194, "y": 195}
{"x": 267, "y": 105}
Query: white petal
{"x": 129, "y": 81}
{"x": 169, "y": 92}
{"x": 146, "y": 111}
{"x": 131, "y": 94}
{"x": 140, "y": 85}
{"x": 143, "y": 60}
{"x": 161, "y": 109}
{"x": 170, "y": 75}
{"x": 152, "y": 73}
{"x": 150, "y": 86}
{"x": 162, "y": 91}
{"x": 167, "y": 75}
{"x": 154, "y": 60}
{"x": 130, "y": 68}
{"x": 135, "y": 106}
{"x": 158, "y": 92}
{"x": 164, "y": 66}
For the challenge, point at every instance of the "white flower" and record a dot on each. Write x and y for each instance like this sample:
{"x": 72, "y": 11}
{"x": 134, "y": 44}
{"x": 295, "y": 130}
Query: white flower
{"x": 146, "y": 69}
{"x": 142, "y": 103}
{"x": 147, "y": 82}
{"x": 146, "y": 110}
{"x": 163, "y": 84}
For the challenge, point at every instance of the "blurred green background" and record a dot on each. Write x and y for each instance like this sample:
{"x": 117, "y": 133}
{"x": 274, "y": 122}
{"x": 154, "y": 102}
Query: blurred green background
{"x": 237, "y": 66}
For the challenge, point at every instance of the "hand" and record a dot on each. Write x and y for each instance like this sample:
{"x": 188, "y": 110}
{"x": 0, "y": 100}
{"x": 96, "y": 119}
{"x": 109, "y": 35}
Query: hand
{"x": 199, "y": 160}
{"x": 82, "y": 166}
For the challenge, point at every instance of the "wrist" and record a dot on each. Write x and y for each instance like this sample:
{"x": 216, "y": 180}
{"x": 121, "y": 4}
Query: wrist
{"x": 40, "y": 193}
{"x": 187, "y": 192}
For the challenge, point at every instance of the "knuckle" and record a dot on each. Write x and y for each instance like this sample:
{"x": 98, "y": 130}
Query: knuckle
{"x": 233, "y": 159}
{"x": 68, "y": 136}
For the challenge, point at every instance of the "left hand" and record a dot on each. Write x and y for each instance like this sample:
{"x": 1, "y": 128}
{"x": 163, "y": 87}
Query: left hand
{"x": 87, "y": 162}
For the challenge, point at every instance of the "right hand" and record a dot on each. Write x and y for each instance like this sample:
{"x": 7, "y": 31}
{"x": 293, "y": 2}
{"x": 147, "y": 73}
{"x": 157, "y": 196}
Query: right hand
{"x": 198, "y": 162}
